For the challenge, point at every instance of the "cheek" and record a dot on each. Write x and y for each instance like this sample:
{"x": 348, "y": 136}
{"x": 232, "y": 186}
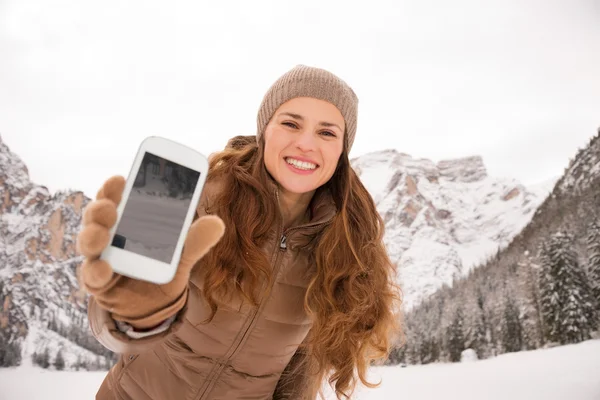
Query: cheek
{"x": 332, "y": 158}
{"x": 271, "y": 150}
{"x": 270, "y": 163}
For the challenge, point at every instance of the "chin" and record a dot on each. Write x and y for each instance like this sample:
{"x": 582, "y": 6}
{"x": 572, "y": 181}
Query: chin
{"x": 298, "y": 187}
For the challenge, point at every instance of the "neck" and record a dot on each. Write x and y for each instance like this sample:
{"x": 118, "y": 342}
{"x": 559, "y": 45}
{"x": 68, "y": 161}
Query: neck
{"x": 293, "y": 207}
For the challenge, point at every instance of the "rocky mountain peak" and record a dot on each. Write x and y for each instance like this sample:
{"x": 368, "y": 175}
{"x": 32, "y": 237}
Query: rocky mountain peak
{"x": 583, "y": 168}
{"x": 40, "y": 296}
{"x": 13, "y": 171}
{"x": 442, "y": 219}
{"x": 466, "y": 169}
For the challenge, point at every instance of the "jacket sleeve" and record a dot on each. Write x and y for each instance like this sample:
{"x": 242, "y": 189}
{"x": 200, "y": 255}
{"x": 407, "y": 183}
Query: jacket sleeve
{"x": 132, "y": 333}
{"x": 106, "y": 331}
{"x": 295, "y": 381}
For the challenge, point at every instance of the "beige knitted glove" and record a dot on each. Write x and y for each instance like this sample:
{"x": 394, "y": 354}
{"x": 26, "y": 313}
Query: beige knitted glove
{"x": 140, "y": 303}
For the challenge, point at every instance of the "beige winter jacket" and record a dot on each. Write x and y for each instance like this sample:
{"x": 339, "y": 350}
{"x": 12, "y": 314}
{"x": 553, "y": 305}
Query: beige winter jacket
{"x": 241, "y": 353}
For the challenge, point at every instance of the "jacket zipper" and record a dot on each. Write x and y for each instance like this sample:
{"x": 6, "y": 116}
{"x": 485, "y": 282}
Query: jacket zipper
{"x": 282, "y": 249}
{"x": 284, "y": 236}
{"x": 283, "y": 242}
{"x": 275, "y": 271}
{"x": 276, "y": 253}
{"x": 277, "y": 262}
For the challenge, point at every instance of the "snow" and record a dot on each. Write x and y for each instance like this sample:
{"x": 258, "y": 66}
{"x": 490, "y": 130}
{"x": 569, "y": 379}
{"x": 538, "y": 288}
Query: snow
{"x": 468, "y": 355}
{"x": 444, "y": 219}
{"x": 39, "y": 338}
{"x": 544, "y": 188}
{"x": 566, "y": 372}
{"x": 16, "y": 383}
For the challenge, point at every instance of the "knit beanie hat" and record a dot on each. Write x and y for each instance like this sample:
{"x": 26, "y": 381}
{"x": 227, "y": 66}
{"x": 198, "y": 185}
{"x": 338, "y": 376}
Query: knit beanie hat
{"x": 303, "y": 81}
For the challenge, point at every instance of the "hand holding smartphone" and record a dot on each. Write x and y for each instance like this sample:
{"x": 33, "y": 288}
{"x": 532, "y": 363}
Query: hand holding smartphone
{"x": 158, "y": 204}
{"x": 138, "y": 237}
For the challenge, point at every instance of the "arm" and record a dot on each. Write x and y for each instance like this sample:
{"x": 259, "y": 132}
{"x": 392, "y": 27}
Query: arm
{"x": 105, "y": 330}
{"x": 130, "y": 316}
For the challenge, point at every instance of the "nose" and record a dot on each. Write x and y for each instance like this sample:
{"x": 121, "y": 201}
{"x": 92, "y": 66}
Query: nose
{"x": 305, "y": 141}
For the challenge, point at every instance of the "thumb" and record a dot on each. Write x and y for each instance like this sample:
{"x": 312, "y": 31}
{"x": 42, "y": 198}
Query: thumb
{"x": 204, "y": 233}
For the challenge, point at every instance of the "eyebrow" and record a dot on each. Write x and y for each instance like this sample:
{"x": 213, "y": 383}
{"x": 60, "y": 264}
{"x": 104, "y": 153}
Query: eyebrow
{"x": 322, "y": 123}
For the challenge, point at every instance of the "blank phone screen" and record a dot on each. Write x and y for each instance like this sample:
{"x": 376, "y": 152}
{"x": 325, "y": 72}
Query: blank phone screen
{"x": 156, "y": 208}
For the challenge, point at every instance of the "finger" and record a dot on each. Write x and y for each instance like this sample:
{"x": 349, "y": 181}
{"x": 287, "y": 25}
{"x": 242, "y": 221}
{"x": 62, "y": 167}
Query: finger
{"x": 92, "y": 240}
{"x": 102, "y": 212}
{"x": 95, "y": 274}
{"x": 112, "y": 189}
{"x": 204, "y": 233}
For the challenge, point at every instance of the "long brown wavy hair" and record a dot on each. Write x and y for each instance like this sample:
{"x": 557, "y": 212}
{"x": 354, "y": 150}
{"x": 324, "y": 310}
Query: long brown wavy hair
{"x": 352, "y": 298}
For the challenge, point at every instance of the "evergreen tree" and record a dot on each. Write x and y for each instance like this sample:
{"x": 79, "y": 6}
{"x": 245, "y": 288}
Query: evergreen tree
{"x": 10, "y": 352}
{"x": 435, "y": 349}
{"x": 593, "y": 250}
{"x": 79, "y": 363}
{"x": 533, "y": 336}
{"x": 413, "y": 344}
{"x": 530, "y": 327}
{"x": 475, "y": 331}
{"x": 59, "y": 362}
{"x": 511, "y": 332}
{"x": 401, "y": 355}
{"x": 43, "y": 359}
{"x": 566, "y": 298}
{"x": 455, "y": 336}
{"x": 425, "y": 351}
{"x": 396, "y": 355}
{"x": 412, "y": 353}
{"x": 53, "y": 324}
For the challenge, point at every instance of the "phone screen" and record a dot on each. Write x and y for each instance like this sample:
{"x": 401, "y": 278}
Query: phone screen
{"x": 156, "y": 208}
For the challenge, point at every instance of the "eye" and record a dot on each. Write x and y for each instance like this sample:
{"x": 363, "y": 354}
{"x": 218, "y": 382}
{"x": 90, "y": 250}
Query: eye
{"x": 328, "y": 133}
{"x": 290, "y": 125}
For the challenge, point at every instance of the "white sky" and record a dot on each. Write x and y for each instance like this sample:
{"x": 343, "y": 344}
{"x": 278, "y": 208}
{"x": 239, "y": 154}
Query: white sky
{"x": 82, "y": 83}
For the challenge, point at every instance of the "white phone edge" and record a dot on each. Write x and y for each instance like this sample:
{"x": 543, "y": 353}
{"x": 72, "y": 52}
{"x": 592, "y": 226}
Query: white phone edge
{"x": 138, "y": 266}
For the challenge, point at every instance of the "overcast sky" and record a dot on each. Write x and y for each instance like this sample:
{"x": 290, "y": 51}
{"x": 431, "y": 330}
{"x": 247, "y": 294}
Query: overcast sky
{"x": 82, "y": 83}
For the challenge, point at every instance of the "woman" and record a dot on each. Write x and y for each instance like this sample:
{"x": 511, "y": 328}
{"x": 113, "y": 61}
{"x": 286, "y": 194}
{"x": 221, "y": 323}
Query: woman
{"x": 284, "y": 280}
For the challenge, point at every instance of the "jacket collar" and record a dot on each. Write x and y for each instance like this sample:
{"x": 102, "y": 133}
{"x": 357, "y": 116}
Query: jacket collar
{"x": 322, "y": 210}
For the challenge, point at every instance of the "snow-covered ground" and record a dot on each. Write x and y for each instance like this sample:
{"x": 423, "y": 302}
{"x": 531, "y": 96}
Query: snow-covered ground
{"x": 567, "y": 372}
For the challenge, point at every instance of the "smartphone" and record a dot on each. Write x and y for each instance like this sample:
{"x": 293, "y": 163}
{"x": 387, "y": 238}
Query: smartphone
{"x": 157, "y": 208}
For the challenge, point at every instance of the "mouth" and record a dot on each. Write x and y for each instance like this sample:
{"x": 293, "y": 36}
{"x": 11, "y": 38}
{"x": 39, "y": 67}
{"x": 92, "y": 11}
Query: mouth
{"x": 300, "y": 164}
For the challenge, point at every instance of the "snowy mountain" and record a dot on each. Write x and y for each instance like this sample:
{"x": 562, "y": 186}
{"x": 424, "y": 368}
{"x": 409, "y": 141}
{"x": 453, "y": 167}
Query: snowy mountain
{"x": 536, "y": 292}
{"x": 42, "y": 307}
{"x": 582, "y": 169}
{"x": 444, "y": 219}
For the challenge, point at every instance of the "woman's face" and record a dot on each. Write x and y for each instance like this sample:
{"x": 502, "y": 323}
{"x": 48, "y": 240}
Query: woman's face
{"x": 303, "y": 143}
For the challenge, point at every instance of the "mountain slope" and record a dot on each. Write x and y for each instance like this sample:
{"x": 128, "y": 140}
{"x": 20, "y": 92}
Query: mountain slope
{"x": 443, "y": 219}
{"x": 498, "y": 308}
{"x": 40, "y": 298}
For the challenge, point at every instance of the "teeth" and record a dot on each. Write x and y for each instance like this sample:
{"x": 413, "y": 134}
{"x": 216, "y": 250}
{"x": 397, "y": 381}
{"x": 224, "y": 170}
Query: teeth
{"x": 301, "y": 164}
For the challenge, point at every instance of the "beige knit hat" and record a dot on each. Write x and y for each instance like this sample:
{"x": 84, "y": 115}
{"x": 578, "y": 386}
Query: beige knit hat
{"x": 303, "y": 81}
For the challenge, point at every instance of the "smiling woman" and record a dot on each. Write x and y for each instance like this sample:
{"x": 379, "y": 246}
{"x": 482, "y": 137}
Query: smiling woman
{"x": 302, "y": 150}
{"x": 296, "y": 290}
